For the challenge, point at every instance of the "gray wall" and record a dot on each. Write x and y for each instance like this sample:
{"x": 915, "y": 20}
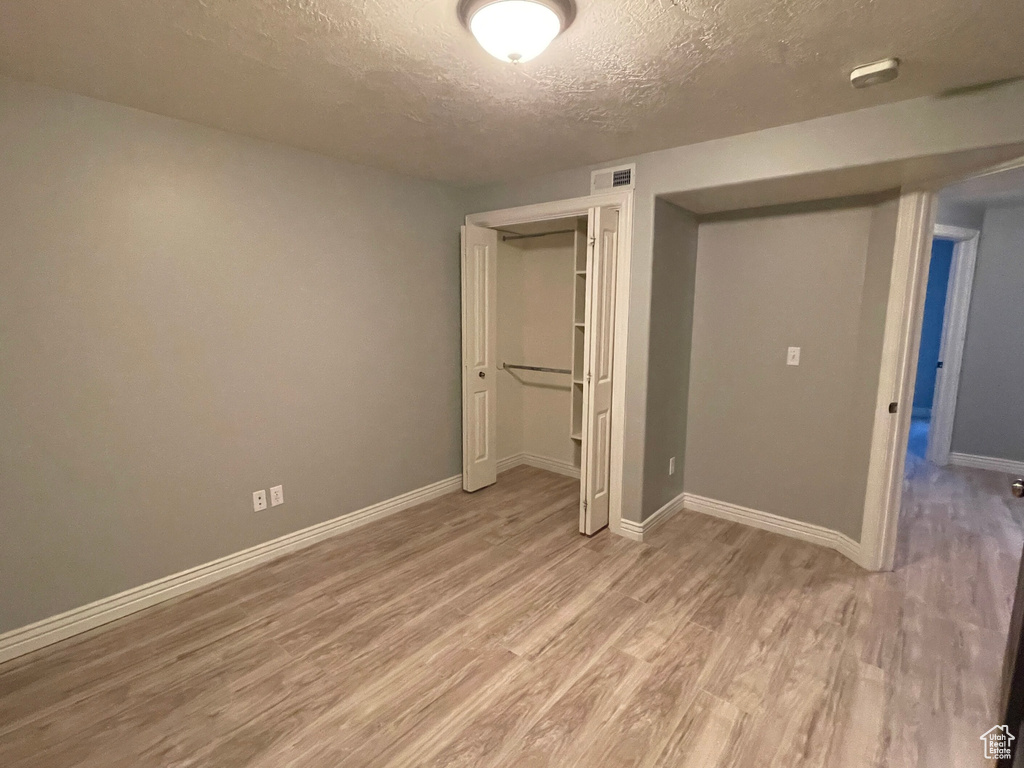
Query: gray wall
{"x": 990, "y": 401}
{"x": 673, "y": 267}
{"x": 187, "y": 316}
{"x": 955, "y": 213}
{"x": 789, "y": 440}
{"x": 904, "y": 130}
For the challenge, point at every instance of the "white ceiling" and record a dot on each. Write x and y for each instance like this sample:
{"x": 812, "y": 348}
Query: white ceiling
{"x": 399, "y": 84}
{"x": 1005, "y": 187}
{"x": 915, "y": 173}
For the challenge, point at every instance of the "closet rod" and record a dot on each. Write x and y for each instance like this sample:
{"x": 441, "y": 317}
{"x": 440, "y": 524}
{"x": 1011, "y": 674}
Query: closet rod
{"x": 506, "y": 238}
{"x": 507, "y": 366}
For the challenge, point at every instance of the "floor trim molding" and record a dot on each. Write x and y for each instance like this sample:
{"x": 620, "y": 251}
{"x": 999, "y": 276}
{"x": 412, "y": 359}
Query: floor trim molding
{"x": 766, "y": 521}
{"x": 1009, "y": 466}
{"x": 539, "y": 462}
{"x": 22, "y": 640}
{"x": 637, "y": 531}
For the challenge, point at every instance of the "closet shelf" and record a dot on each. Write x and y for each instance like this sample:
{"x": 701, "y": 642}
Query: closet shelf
{"x": 579, "y": 334}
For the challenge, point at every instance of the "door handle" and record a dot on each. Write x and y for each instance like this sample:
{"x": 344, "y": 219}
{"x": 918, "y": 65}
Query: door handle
{"x": 1017, "y": 486}
{"x": 483, "y": 375}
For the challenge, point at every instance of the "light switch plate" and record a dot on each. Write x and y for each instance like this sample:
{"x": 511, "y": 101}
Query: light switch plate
{"x": 672, "y": 465}
{"x": 276, "y": 495}
{"x": 259, "y": 501}
{"x": 793, "y": 356}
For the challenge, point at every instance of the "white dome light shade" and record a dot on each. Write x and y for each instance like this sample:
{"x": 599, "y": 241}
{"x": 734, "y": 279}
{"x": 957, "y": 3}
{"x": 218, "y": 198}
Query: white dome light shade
{"x": 515, "y": 30}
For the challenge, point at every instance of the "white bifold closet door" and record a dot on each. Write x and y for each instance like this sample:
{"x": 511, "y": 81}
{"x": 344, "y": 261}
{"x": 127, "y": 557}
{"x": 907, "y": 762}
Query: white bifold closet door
{"x": 598, "y": 345}
{"x": 479, "y": 347}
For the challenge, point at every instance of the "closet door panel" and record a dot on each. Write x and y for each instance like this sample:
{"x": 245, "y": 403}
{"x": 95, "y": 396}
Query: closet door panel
{"x": 479, "y": 347}
{"x": 597, "y": 400}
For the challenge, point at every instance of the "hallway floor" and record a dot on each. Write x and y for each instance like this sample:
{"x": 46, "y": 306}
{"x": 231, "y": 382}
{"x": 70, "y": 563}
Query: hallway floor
{"x": 482, "y": 630}
{"x": 917, "y": 445}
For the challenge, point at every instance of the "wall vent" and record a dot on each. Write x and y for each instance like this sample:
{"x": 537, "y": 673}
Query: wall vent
{"x": 607, "y": 179}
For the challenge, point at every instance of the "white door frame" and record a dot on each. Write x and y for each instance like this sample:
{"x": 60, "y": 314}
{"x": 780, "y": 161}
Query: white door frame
{"x": 954, "y": 330}
{"x": 904, "y": 312}
{"x": 580, "y": 206}
{"x": 912, "y": 252}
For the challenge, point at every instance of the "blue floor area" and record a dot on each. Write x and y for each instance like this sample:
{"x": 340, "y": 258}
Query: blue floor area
{"x": 917, "y": 445}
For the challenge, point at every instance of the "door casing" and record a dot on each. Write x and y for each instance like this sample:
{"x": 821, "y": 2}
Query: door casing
{"x": 954, "y": 330}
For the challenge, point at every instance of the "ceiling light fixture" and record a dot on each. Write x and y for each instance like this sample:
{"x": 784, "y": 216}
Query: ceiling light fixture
{"x": 516, "y": 30}
{"x": 875, "y": 73}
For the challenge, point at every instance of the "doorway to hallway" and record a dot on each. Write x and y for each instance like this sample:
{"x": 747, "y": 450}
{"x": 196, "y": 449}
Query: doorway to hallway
{"x": 929, "y": 361}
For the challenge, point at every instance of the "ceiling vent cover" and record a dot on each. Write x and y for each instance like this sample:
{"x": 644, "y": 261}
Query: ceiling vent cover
{"x": 607, "y": 179}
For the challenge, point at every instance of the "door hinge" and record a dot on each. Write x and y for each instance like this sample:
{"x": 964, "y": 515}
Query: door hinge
{"x": 893, "y": 407}
{"x": 592, "y": 241}
{"x": 939, "y": 365}
{"x": 588, "y": 377}
{"x": 584, "y": 505}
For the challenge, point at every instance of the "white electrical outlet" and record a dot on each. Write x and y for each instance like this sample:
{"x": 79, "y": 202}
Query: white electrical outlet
{"x": 793, "y": 356}
{"x": 276, "y": 495}
{"x": 672, "y": 465}
{"x": 259, "y": 501}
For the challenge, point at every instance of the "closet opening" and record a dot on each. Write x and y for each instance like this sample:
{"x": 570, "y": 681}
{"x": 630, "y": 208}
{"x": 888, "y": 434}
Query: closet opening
{"x": 539, "y": 310}
{"x": 541, "y": 301}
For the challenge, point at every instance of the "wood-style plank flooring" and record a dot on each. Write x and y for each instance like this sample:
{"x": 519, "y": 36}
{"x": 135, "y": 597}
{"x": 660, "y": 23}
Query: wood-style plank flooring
{"x": 483, "y": 630}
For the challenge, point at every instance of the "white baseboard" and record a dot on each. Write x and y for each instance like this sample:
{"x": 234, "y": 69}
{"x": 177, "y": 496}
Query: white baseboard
{"x": 509, "y": 462}
{"x": 18, "y": 642}
{"x": 637, "y": 531}
{"x": 631, "y": 530}
{"x": 540, "y": 462}
{"x": 755, "y": 518}
{"x": 767, "y": 521}
{"x": 1008, "y": 466}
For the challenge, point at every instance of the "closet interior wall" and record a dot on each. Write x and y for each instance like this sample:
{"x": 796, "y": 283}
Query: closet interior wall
{"x": 536, "y": 278}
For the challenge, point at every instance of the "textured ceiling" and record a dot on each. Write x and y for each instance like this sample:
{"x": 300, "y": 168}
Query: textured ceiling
{"x": 925, "y": 172}
{"x": 399, "y": 84}
{"x": 1004, "y": 187}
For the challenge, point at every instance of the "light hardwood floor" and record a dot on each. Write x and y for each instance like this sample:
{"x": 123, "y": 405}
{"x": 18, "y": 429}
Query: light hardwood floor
{"x": 482, "y": 630}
